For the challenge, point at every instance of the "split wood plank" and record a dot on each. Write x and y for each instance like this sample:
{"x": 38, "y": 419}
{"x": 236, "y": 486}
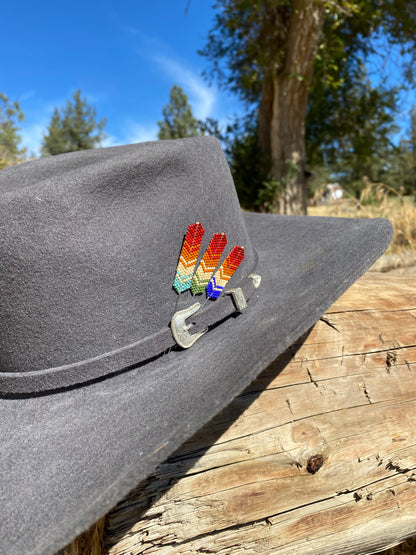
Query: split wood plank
{"x": 345, "y": 393}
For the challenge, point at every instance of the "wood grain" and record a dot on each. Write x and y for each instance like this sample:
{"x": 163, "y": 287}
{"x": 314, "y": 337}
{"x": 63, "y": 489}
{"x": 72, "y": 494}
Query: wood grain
{"x": 345, "y": 393}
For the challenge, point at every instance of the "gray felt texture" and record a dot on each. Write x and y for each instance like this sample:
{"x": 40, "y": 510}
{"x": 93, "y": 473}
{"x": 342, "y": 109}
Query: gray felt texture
{"x": 89, "y": 244}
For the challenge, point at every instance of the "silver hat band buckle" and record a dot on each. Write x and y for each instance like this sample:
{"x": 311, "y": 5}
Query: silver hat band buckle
{"x": 181, "y": 329}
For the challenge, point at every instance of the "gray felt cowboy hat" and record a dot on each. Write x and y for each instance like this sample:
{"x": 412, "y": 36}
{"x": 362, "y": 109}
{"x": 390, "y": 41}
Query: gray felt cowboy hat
{"x": 95, "y": 389}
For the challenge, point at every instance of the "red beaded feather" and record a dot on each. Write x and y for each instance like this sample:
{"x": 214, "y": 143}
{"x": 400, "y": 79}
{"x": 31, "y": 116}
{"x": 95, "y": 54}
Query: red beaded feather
{"x": 188, "y": 257}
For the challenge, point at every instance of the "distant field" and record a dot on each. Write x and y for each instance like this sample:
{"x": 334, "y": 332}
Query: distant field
{"x": 401, "y": 211}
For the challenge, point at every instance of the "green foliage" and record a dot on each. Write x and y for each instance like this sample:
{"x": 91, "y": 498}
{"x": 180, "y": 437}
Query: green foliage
{"x": 246, "y": 44}
{"x": 10, "y": 115}
{"x": 407, "y": 158}
{"x": 354, "y": 31}
{"x": 270, "y": 189}
{"x": 178, "y": 120}
{"x": 256, "y": 189}
{"x": 349, "y": 122}
{"x": 319, "y": 179}
{"x": 242, "y": 151}
{"x": 73, "y": 128}
{"x": 354, "y": 137}
{"x": 210, "y": 126}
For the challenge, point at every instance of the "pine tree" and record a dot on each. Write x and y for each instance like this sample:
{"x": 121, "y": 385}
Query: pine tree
{"x": 73, "y": 128}
{"x": 10, "y": 115}
{"x": 55, "y": 142}
{"x": 179, "y": 121}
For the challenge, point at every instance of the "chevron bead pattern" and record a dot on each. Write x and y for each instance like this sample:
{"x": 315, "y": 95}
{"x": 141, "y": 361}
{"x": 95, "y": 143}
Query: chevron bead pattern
{"x": 188, "y": 257}
{"x": 223, "y": 274}
{"x": 208, "y": 263}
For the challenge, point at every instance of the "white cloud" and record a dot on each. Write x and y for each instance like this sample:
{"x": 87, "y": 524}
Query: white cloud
{"x": 26, "y": 96}
{"x": 111, "y": 140}
{"x": 32, "y": 136}
{"x": 137, "y": 133}
{"x": 202, "y": 98}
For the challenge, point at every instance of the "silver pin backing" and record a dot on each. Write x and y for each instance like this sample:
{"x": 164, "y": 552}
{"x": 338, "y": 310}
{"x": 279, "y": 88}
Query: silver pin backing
{"x": 238, "y": 298}
{"x": 256, "y": 279}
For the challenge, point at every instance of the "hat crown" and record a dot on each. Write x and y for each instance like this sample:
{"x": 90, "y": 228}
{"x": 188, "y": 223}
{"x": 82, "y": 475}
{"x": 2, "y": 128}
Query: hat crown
{"x": 89, "y": 244}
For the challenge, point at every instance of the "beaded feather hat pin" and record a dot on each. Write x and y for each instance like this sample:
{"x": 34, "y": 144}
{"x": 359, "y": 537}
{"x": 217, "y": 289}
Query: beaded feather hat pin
{"x": 186, "y": 277}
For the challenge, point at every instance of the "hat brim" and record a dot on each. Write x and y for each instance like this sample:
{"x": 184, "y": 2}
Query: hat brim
{"x": 68, "y": 457}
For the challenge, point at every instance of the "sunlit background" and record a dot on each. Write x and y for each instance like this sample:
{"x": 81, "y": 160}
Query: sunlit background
{"x": 123, "y": 56}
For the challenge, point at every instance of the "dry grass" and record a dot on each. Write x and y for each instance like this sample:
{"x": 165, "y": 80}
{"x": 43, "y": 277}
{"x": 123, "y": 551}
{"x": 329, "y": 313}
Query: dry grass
{"x": 406, "y": 548}
{"x": 89, "y": 543}
{"x": 377, "y": 200}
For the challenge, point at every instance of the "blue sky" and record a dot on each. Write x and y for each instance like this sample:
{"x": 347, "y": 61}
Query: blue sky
{"x": 124, "y": 56}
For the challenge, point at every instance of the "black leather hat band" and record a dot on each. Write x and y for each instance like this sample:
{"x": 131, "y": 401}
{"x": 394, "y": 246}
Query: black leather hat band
{"x": 52, "y": 379}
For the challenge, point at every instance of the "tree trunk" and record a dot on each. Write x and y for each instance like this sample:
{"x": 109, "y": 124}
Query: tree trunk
{"x": 264, "y": 118}
{"x": 290, "y": 97}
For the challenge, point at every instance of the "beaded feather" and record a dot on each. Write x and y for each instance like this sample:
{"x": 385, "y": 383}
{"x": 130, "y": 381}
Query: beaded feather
{"x": 188, "y": 257}
{"x": 208, "y": 263}
{"x": 222, "y": 276}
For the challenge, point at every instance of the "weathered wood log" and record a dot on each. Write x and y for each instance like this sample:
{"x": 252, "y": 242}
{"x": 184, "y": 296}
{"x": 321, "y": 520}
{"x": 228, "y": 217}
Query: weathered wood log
{"x": 318, "y": 455}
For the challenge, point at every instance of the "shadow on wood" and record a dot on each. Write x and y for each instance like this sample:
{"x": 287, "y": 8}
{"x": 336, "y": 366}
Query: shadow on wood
{"x": 318, "y": 455}
{"x": 185, "y": 460}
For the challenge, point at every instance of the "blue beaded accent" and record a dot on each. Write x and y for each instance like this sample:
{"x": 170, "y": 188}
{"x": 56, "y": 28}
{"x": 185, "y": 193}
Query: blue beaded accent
{"x": 214, "y": 290}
